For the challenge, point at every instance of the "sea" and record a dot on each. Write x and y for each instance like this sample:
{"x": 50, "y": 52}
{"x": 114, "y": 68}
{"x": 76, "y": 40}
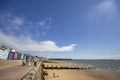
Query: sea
{"x": 106, "y": 65}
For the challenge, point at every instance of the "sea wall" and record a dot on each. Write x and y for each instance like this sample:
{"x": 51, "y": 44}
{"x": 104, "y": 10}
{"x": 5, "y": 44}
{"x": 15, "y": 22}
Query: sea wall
{"x": 34, "y": 74}
{"x": 9, "y": 63}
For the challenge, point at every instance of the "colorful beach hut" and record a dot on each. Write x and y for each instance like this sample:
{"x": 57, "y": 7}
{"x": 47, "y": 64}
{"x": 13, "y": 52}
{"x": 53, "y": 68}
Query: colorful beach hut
{"x": 4, "y": 54}
{"x": 10, "y": 56}
{"x": 15, "y": 55}
{"x": 20, "y": 56}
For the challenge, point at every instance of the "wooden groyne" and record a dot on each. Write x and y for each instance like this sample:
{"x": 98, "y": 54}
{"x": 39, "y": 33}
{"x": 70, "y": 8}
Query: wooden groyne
{"x": 62, "y": 67}
{"x": 59, "y": 65}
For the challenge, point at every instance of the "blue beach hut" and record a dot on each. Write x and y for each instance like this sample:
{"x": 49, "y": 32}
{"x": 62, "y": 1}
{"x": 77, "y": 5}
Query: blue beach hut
{"x": 10, "y": 56}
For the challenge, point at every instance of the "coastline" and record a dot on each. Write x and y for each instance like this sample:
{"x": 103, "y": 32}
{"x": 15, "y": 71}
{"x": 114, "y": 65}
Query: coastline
{"x": 75, "y": 74}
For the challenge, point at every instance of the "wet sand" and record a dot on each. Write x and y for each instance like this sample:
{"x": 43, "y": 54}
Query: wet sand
{"x": 68, "y": 74}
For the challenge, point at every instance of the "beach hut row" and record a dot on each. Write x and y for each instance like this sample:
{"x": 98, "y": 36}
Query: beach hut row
{"x": 8, "y": 54}
{"x": 15, "y": 56}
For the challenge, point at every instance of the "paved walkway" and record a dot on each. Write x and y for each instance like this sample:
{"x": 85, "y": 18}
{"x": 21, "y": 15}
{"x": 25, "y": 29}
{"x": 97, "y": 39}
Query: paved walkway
{"x": 15, "y": 72}
{"x": 35, "y": 75}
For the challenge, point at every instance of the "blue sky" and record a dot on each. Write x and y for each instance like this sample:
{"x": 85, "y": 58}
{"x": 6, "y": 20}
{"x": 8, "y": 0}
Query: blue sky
{"x": 82, "y": 29}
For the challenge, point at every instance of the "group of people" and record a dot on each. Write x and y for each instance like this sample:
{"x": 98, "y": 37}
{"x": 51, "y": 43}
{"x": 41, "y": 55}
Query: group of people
{"x": 29, "y": 62}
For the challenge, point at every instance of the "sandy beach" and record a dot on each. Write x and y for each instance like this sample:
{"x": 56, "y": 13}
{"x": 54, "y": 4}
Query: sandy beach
{"x": 73, "y": 74}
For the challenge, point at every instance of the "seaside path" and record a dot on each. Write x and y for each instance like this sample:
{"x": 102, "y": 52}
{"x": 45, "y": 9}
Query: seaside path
{"x": 14, "y": 73}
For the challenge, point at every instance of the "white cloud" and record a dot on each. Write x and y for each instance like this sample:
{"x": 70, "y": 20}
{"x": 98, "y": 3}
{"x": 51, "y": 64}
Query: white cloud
{"x": 27, "y": 44}
{"x": 42, "y": 23}
{"x": 18, "y": 21}
{"x": 18, "y": 25}
{"x": 105, "y": 13}
{"x": 9, "y": 20}
{"x": 107, "y": 7}
{"x": 45, "y": 24}
{"x": 50, "y": 19}
{"x": 20, "y": 33}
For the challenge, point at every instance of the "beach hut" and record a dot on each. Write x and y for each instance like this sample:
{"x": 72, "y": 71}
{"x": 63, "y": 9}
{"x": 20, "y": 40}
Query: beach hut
{"x": 4, "y": 53}
{"x": 1, "y": 53}
{"x": 27, "y": 58}
{"x": 22, "y": 56}
{"x": 15, "y": 55}
{"x": 10, "y": 56}
{"x": 19, "y": 56}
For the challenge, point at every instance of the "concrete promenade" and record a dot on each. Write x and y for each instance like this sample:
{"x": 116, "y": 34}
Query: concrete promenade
{"x": 34, "y": 73}
{"x": 15, "y": 72}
